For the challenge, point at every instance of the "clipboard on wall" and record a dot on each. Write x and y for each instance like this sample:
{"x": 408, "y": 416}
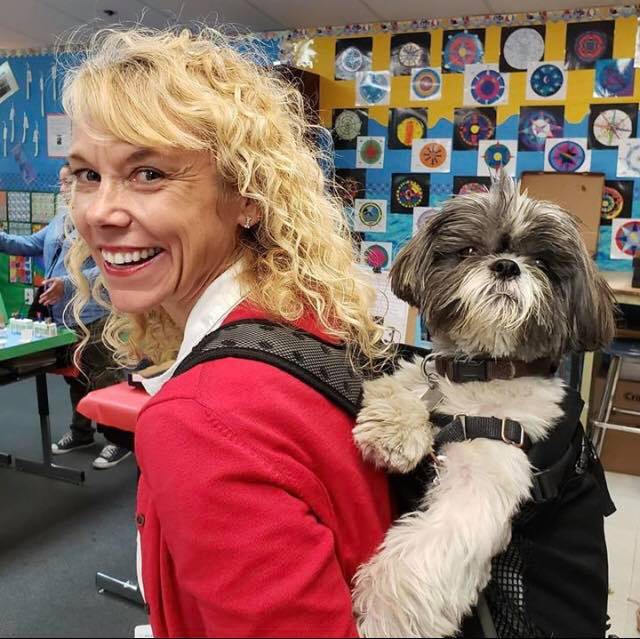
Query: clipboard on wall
{"x": 578, "y": 193}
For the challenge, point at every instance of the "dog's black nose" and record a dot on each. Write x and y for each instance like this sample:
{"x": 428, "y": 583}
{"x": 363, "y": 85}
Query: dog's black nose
{"x": 505, "y": 269}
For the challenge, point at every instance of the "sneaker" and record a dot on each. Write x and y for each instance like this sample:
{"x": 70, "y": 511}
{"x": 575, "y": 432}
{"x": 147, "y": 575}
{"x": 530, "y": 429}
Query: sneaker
{"x": 70, "y": 441}
{"x": 110, "y": 456}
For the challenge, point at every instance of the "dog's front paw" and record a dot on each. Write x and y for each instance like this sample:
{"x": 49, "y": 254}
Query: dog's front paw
{"x": 393, "y": 429}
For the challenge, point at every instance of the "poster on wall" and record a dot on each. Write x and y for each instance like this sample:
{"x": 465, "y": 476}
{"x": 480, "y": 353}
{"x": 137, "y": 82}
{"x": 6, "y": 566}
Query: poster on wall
{"x": 58, "y": 135}
{"x": 405, "y": 126}
{"x": 373, "y": 88}
{"x": 484, "y": 85}
{"x": 348, "y": 124}
{"x": 409, "y": 51}
{"x": 614, "y": 78}
{"x": 20, "y": 270}
{"x": 370, "y": 216}
{"x": 370, "y": 152}
{"x": 520, "y": 47}
{"x": 625, "y": 239}
{"x": 409, "y": 190}
{"x": 426, "y": 84}
{"x": 588, "y": 42}
{"x": 421, "y": 215}
{"x": 546, "y": 81}
{"x": 610, "y": 124}
{"x": 431, "y": 156}
{"x": 8, "y": 83}
{"x": 460, "y": 48}
{"x": 497, "y": 155}
{"x": 467, "y": 184}
{"x": 377, "y": 255}
{"x": 472, "y": 125}
{"x": 537, "y": 124}
{"x": 567, "y": 155}
{"x": 353, "y": 55}
{"x": 18, "y": 206}
{"x": 629, "y": 158}
{"x": 617, "y": 201}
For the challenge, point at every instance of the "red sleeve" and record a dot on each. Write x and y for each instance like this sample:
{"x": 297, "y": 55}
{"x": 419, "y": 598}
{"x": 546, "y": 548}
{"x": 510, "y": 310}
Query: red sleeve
{"x": 243, "y": 540}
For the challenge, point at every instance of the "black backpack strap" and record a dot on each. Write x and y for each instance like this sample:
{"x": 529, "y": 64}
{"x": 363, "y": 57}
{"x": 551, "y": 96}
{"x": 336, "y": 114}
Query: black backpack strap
{"x": 319, "y": 364}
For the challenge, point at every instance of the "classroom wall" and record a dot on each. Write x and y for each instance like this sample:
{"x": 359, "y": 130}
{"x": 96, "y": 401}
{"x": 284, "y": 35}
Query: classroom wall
{"x": 513, "y": 119}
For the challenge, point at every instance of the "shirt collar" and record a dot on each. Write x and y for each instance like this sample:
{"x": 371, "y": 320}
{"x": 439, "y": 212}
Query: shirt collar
{"x": 217, "y": 301}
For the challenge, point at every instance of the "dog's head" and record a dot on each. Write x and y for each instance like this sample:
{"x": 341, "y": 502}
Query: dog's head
{"x": 501, "y": 274}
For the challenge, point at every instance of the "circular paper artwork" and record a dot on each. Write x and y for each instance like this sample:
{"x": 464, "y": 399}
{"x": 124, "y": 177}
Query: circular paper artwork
{"x": 433, "y": 155}
{"x": 612, "y": 203}
{"x": 475, "y": 126}
{"x": 462, "y": 49}
{"x": 370, "y": 214}
{"x": 522, "y": 47}
{"x": 497, "y": 155}
{"x": 426, "y": 83}
{"x": 350, "y": 61}
{"x": 376, "y": 256}
{"x": 411, "y": 55}
{"x": 487, "y": 87}
{"x": 566, "y": 156}
{"x": 371, "y": 151}
{"x": 347, "y": 125}
{"x": 612, "y": 126}
{"x": 409, "y": 129}
{"x": 409, "y": 193}
{"x": 627, "y": 237}
{"x": 472, "y": 187}
{"x": 547, "y": 80}
{"x": 589, "y": 46}
{"x": 613, "y": 79}
{"x": 375, "y": 88}
{"x": 537, "y": 127}
{"x": 632, "y": 158}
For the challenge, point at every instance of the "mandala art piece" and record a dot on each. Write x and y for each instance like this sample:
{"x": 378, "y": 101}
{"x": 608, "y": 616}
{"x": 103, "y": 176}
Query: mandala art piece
{"x": 470, "y": 184}
{"x": 431, "y": 156}
{"x": 625, "y": 239}
{"x": 614, "y": 78}
{"x": 521, "y": 48}
{"x": 348, "y": 124}
{"x": 373, "y": 88}
{"x": 485, "y": 85}
{"x": 472, "y": 125}
{"x": 426, "y": 84}
{"x": 588, "y": 42}
{"x": 370, "y": 152}
{"x": 353, "y": 55}
{"x": 546, "y": 81}
{"x": 566, "y": 156}
{"x": 612, "y": 126}
{"x": 496, "y": 156}
{"x": 629, "y": 158}
{"x": 377, "y": 255}
{"x": 409, "y": 190}
{"x": 405, "y": 126}
{"x": 370, "y": 216}
{"x": 536, "y": 125}
{"x": 462, "y": 48}
{"x": 612, "y": 203}
{"x": 409, "y": 51}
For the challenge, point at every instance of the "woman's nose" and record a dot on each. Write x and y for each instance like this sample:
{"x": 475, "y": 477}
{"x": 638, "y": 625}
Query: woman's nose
{"x": 107, "y": 207}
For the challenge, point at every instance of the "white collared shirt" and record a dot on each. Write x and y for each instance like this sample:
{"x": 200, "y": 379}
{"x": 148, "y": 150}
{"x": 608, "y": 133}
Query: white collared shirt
{"x": 217, "y": 301}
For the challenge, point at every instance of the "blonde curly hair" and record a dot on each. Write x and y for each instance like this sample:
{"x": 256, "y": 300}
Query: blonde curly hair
{"x": 201, "y": 91}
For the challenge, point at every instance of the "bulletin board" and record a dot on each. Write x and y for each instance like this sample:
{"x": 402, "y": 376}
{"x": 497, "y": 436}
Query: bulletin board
{"x": 422, "y": 110}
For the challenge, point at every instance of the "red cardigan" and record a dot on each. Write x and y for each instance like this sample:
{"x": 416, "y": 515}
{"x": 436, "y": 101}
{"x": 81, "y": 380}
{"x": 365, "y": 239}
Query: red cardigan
{"x": 254, "y": 506}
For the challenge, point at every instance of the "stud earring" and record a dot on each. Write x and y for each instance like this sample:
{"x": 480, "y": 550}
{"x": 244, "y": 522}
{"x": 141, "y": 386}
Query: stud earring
{"x": 247, "y": 222}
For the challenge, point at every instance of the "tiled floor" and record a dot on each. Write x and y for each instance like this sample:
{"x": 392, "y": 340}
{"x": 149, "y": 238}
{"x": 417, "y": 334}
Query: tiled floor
{"x": 623, "y": 541}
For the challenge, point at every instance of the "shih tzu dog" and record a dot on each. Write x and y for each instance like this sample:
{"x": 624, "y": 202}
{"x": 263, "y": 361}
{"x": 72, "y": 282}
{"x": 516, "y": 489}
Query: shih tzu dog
{"x": 506, "y": 281}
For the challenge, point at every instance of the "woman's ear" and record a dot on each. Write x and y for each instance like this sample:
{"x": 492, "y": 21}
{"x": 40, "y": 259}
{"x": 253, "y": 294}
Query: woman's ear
{"x": 248, "y": 213}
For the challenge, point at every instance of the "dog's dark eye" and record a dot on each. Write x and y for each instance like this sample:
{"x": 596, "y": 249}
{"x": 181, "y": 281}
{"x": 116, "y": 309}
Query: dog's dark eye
{"x": 540, "y": 263}
{"x": 468, "y": 251}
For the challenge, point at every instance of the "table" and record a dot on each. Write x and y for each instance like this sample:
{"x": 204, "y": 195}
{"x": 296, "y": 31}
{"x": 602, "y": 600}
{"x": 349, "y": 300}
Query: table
{"x": 36, "y": 358}
{"x": 620, "y": 283}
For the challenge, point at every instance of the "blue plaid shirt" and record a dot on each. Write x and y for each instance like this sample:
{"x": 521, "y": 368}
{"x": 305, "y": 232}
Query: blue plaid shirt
{"x": 53, "y": 246}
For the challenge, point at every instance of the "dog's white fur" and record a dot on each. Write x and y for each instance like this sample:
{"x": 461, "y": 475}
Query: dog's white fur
{"x": 434, "y": 562}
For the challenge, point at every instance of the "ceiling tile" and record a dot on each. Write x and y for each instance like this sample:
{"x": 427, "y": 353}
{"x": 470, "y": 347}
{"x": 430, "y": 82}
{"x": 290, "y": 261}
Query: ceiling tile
{"x": 325, "y": 12}
{"x": 507, "y": 6}
{"x": 410, "y": 9}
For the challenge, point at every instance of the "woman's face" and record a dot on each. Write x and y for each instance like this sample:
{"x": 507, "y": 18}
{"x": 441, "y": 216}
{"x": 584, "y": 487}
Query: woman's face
{"x": 158, "y": 223}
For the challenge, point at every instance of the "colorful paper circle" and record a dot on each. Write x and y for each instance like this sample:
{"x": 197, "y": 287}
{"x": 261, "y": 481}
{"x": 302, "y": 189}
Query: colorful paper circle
{"x": 522, "y": 47}
{"x": 566, "y": 156}
{"x": 433, "y": 155}
{"x": 547, "y": 80}
{"x": 350, "y": 60}
{"x": 426, "y": 83}
{"x": 589, "y": 46}
{"x": 409, "y": 193}
{"x": 611, "y": 127}
{"x": 537, "y": 127}
{"x": 497, "y": 155}
{"x": 488, "y": 87}
{"x": 613, "y": 78}
{"x": 411, "y": 54}
{"x": 612, "y": 203}
{"x": 472, "y": 187}
{"x": 627, "y": 237}
{"x": 475, "y": 126}
{"x": 347, "y": 125}
{"x": 374, "y": 87}
{"x": 376, "y": 256}
{"x": 409, "y": 129}
{"x": 462, "y": 49}
{"x": 370, "y": 214}
{"x": 371, "y": 151}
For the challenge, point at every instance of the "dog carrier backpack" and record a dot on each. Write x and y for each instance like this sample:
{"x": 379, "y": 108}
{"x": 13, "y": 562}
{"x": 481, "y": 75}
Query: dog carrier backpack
{"x": 551, "y": 581}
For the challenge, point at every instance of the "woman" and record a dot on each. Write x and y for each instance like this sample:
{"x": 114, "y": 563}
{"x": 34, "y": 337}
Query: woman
{"x": 201, "y": 203}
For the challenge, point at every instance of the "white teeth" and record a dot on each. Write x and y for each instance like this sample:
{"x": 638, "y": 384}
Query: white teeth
{"x": 144, "y": 254}
{"x": 130, "y": 258}
{"x": 136, "y": 256}
{"x": 119, "y": 258}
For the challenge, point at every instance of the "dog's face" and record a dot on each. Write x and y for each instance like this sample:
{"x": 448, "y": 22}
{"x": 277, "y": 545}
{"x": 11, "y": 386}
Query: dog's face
{"x": 504, "y": 275}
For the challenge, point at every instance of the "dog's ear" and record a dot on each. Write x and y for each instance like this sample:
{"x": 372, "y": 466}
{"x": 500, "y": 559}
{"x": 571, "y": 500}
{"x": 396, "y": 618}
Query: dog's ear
{"x": 409, "y": 268}
{"x": 593, "y": 323}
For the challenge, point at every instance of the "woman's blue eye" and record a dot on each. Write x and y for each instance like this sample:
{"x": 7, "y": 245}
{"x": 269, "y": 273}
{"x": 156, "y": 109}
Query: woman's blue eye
{"x": 87, "y": 175}
{"x": 148, "y": 175}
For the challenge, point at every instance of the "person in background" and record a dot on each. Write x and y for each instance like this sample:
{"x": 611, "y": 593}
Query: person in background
{"x": 96, "y": 362}
{"x": 200, "y": 198}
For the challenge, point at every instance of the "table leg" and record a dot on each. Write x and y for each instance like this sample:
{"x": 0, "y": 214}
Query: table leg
{"x": 47, "y": 468}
